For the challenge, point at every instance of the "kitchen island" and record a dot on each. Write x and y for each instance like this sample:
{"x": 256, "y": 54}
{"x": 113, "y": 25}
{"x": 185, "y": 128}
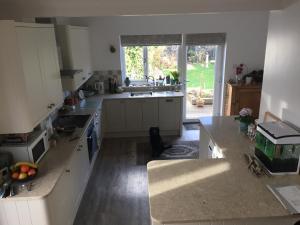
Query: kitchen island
{"x": 216, "y": 191}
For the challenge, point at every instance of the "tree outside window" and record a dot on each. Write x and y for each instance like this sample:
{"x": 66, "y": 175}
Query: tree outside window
{"x": 155, "y": 61}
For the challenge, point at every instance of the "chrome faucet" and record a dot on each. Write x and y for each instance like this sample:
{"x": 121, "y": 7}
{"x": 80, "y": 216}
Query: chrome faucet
{"x": 147, "y": 79}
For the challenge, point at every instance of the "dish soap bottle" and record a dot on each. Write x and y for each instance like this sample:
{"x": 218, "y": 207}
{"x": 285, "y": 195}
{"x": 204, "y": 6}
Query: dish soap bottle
{"x": 127, "y": 81}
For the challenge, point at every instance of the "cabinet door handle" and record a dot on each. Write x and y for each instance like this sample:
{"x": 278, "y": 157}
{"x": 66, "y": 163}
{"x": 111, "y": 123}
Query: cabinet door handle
{"x": 68, "y": 171}
{"x": 169, "y": 100}
{"x": 79, "y": 149}
{"x": 52, "y": 104}
{"x": 83, "y": 78}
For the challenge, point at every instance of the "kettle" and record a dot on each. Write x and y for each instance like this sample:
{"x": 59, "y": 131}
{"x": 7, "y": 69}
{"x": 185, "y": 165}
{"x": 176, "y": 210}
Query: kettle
{"x": 99, "y": 87}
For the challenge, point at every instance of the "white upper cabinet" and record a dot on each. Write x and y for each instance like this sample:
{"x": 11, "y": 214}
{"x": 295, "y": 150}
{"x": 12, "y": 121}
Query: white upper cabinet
{"x": 29, "y": 51}
{"x": 30, "y": 85}
{"x": 74, "y": 43}
{"x": 50, "y": 66}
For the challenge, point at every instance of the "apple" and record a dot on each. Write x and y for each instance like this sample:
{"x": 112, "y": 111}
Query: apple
{"x": 31, "y": 172}
{"x": 22, "y": 176}
{"x": 24, "y": 168}
{"x": 15, "y": 175}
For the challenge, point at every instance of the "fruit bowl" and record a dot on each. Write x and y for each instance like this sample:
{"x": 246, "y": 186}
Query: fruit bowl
{"x": 22, "y": 172}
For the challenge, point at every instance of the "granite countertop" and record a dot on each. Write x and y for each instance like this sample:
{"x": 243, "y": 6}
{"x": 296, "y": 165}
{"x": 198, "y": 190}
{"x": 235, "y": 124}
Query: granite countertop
{"x": 54, "y": 163}
{"x": 213, "y": 189}
{"x": 225, "y": 133}
{"x": 160, "y": 94}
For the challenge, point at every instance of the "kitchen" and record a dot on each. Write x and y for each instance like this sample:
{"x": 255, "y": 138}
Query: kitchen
{"x": 92, "y": 142}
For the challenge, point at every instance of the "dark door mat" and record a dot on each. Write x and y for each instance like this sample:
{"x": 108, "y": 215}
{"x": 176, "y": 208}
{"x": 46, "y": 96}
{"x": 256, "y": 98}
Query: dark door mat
{"x": 179, "y": 150}
{"x": 191, "y": 126}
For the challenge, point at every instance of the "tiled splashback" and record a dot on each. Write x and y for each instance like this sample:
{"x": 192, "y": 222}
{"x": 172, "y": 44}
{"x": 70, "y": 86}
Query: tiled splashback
{"x": 103, "y": 75}
{"x": 146, "y": 88}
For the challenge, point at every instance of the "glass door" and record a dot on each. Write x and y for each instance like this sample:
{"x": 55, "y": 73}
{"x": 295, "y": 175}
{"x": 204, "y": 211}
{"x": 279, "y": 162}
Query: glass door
{"x": 200, "y": 81}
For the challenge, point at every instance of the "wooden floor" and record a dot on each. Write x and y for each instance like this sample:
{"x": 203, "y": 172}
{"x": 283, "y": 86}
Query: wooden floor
{"x": 117, "y": 193}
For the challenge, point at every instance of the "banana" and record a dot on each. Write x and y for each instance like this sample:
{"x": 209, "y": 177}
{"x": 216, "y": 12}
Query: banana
{"x": 32, "y": 165}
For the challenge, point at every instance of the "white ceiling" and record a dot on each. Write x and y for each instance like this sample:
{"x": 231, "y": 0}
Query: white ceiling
{"x": 74, "y": 8}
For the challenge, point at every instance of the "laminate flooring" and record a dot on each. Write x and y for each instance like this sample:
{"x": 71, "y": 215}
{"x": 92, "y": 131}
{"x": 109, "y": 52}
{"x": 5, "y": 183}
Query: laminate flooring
{"x": 117, "y": 192}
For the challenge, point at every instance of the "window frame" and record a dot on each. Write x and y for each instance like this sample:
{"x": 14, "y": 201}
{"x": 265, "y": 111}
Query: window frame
{"x": 145, "y": 62}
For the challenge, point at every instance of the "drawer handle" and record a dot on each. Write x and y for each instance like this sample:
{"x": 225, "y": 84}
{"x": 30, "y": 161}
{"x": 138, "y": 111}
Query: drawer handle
{"x": 83, "y": 78}
{"x": 169, "y": 100}
{"x": 68, "y": 171}
{"x": 79, "y": 149}
{"x": 49, "y": 107}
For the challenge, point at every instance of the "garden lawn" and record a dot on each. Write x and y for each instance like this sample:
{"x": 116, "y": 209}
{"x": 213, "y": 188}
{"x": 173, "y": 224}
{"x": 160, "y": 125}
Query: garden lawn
{"x": 200, "y": 77}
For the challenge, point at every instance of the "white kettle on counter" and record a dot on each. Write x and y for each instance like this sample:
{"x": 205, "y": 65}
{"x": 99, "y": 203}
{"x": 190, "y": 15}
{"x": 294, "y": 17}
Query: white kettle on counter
{"x": 99, "y": 87}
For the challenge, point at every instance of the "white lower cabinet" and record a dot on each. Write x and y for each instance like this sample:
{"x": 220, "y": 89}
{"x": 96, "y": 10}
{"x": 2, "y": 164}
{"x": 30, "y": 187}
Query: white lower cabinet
{"x": 80, "y": 169}
{"x": 133, "y": 115}
{"x": 60, "y": 201}
{"x": 138, "y": 115}
{"x": 64, "y": 200}
{"x": 114, "y": 116}
{"x": 149, "y": 113}
{"x": 169, "y": 113}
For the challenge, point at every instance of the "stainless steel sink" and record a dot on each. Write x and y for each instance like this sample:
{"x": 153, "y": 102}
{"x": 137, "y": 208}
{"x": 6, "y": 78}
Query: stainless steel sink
{"x": 72, "y": 121}
{"x": 141, "y": 94}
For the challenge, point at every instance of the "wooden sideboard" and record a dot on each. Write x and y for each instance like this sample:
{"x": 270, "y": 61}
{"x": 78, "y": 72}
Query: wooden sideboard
{"x": 240, "y": 96}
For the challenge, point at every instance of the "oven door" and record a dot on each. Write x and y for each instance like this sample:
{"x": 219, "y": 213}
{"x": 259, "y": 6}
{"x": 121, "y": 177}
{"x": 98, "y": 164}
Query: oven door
{"x": 92, "y": 141}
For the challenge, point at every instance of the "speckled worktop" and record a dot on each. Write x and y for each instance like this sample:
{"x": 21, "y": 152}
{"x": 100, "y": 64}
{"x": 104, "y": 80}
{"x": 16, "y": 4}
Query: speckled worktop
{"x": 213, "y": 189}
{"x": 160, "y": 94}
{"x": 55, "y": 162}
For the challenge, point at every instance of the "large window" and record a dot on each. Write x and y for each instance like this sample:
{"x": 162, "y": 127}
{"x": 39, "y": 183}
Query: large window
{"x": 151, "y": 61}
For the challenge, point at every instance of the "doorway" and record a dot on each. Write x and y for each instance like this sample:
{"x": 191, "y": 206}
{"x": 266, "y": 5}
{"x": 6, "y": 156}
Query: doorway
{"x": 203, "y": 81}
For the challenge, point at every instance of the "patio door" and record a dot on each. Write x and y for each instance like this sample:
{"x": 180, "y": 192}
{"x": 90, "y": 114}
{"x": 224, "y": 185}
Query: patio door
{"x": 202, "y": 79}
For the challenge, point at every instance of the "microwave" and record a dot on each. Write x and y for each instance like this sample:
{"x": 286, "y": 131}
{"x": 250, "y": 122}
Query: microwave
{"x": 32, "y": 151}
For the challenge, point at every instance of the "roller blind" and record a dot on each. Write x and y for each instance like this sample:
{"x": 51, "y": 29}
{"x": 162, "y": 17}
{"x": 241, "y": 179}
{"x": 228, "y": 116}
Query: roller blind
{"x": 206, "y": 39}
{"x": 151, "y": 40}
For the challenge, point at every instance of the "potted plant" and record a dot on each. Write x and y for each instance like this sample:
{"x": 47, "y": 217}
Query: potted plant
{"x": 245, "y": 118}
{"x": 175, "y": 76}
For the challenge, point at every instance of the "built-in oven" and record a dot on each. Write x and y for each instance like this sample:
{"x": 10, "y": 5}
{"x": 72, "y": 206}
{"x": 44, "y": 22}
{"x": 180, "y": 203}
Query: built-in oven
{"x": 98, "y": 125}
{"x": 92, "y": 140}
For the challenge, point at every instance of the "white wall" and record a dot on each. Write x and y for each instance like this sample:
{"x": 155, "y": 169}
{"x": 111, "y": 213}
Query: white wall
{"x": 281, "y": 87}
{"x": 246, "y": 34}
